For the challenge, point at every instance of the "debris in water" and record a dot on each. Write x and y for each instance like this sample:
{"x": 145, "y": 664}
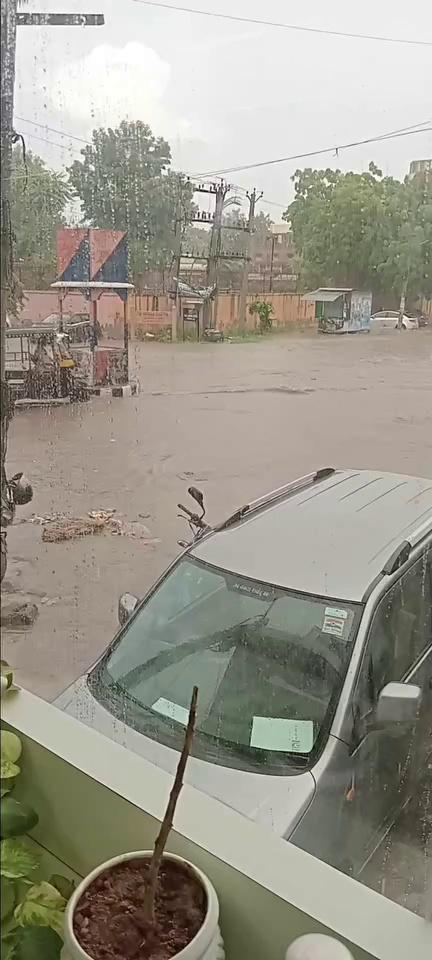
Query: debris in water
{"x": 60, "y": 527}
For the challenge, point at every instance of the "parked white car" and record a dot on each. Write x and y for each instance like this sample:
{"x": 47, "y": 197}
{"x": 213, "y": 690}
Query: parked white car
{"x": 306, "y": 621}
{"x": 389, "y": 318}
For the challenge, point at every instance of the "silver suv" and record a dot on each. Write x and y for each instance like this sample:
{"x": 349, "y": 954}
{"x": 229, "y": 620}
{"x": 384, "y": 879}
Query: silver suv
{"x": 306, "y": 621}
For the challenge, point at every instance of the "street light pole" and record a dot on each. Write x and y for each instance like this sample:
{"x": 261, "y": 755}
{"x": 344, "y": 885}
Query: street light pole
{"x": 10, "y": 19}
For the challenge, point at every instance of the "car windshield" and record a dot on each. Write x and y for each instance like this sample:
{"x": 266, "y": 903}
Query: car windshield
{"x": 269, "y": 664}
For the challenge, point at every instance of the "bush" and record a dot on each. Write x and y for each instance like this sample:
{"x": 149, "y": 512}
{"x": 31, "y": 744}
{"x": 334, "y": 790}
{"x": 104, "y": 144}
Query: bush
{"x": 265, "y": 312}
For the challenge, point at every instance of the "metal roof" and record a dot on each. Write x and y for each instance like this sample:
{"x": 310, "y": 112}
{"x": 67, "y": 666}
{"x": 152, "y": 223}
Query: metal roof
{"x": 325, "y": 294}
{"x": 331, "y": 540}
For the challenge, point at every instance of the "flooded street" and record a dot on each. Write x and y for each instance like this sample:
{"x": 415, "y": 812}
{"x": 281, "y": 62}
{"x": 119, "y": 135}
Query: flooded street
{"x": 236, "y": 420}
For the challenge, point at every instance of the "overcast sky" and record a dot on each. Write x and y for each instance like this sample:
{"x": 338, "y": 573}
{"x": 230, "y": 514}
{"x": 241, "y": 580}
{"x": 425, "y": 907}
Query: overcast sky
{"x": 226, "y": 93}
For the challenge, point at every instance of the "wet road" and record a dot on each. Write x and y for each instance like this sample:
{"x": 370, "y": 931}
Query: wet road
{"x": 236, "y": 420}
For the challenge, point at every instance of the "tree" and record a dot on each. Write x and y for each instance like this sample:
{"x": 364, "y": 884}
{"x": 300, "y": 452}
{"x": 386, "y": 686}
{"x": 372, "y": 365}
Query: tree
{"x": 361, "y": 230}
{"x": 38, "y": 200}
{"x": 124, "y": 183}
{"x": 406, "y": 260}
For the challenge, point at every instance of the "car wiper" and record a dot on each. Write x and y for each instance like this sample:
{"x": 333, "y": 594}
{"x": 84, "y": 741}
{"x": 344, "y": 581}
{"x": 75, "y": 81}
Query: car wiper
{"x": 169, "y": 657}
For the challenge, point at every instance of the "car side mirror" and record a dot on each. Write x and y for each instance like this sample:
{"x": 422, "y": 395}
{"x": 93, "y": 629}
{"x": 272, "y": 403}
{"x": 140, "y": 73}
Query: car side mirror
{"x": 398, "y": 703}
{"x": 126, "y": 606}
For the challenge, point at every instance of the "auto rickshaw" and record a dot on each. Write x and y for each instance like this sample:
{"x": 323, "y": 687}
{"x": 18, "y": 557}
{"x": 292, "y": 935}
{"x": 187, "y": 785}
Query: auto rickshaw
{"x": 39, "y": 365}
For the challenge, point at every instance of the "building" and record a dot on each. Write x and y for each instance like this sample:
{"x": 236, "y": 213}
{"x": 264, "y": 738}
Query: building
{"x": 420, "y": 166}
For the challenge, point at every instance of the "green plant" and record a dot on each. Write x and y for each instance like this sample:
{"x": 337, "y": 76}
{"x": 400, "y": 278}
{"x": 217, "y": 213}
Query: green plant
{"x": 31, "y": 912}
{"x": 265, "y": 312}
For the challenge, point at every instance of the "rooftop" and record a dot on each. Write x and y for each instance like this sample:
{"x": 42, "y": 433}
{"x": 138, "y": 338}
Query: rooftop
{"x": 330, "y": 539}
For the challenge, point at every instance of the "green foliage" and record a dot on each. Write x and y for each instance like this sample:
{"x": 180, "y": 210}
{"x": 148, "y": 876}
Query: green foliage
{"x": 31, "y": 913}
{"x": 17, "y": 860}
{"x": 42, "y": 906}
{"x": 124, "y": 183}
{"x": 17, "y": 818}
{"x": 265, "y": 312}
{"x": 362, "y": 230}
{"x": 38, "y": 200}
{"x": 37, "y": 943}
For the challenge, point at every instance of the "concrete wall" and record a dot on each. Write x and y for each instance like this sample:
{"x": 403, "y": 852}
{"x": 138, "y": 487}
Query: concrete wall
{"x": 153, "y": 312}
{"x": 289, "y": 310}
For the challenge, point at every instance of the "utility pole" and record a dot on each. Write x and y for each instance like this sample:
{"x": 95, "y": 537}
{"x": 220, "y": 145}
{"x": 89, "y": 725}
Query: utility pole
{"x": 221, "y": 191}
{"x": 253, "y": 200}
{"x": 10, "y": 19}
{"x": 8, "y": 47}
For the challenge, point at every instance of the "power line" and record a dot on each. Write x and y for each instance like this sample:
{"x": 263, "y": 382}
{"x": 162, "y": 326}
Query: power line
{"x": 62, "y": 133}
{"x": 61, "y": 146}
{"x": 283, "y": 26}
{"x": 316, "y": 153}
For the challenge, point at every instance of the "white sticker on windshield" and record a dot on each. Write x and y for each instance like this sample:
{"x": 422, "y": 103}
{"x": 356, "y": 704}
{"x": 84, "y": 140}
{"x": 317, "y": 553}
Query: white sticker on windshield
{"x": 334, "y": 621}
{"x": 171, "y": 710}
{"x": 289, "y": 736}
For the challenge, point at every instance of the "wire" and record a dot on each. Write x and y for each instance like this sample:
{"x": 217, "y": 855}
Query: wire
{"x": 283, "y": 26}
{"x": 61, "y": 146}
{"x": 70, "y": 136}
{"x": 316, "y": 153}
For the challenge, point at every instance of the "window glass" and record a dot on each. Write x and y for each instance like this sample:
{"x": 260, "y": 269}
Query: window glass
{"x": 216, "y": 276}
{"x": 400, "y": 632}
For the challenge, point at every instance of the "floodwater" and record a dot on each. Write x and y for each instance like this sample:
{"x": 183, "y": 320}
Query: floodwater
{"x": 235, "y": 420}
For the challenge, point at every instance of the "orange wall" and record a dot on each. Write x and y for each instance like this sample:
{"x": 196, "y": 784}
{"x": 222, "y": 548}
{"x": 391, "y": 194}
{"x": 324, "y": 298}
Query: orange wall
{"x": 289, "y": 310}
{"x": 151, "y": 312}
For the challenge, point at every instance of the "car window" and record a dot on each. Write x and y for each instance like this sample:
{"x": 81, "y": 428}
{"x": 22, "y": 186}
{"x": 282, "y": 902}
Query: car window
{"x": 401, "y": 630}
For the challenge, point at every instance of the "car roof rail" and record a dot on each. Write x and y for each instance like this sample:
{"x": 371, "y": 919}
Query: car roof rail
{"x": 274, "y": 495}
{"x": 397, "y": 558}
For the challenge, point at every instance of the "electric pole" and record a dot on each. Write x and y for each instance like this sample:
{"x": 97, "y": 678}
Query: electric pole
{"x": 8, "y": 47}
{"x": 253, "y": 200}
{"x": 221, "y": 191}
{"x": 10, "y": 19}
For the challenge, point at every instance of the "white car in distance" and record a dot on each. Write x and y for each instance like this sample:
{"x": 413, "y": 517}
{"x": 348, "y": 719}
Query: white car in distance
{"x": 389, "y": 318}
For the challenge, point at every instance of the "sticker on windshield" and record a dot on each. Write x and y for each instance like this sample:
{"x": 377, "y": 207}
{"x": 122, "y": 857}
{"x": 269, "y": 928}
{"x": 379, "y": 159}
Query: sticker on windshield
{"x": 171, "y": 710}
{"x": 334, "y": 621}
{"x": 288, "y": 736}
{"x": 257, "y": 590}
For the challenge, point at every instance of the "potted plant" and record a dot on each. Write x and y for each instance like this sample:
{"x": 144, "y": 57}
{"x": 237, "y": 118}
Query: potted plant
{"x": 146, "y": 905}
{"x": 32, "y": 910}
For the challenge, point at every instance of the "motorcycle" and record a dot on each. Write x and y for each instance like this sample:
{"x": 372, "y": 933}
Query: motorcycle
{"x": 196, "y": 521}
{"x": 14, "y": 492}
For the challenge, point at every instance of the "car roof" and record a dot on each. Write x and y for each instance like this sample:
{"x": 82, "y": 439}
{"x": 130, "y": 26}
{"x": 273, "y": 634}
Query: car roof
{"x": 330, "y": 538}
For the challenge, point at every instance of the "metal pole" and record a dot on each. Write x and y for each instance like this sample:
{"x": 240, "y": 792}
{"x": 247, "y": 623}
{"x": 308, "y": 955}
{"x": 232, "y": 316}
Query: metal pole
{"x": 271, "y": 263}
{"x": 253, "y": 198}
{"x": 126, "y": 340}
{"x": 215, "y": 249}
{"x": 8, "y": 46}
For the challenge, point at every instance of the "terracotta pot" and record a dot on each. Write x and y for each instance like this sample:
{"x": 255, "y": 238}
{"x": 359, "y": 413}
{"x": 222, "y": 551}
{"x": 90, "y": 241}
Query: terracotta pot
{"x": 206, "y": 945}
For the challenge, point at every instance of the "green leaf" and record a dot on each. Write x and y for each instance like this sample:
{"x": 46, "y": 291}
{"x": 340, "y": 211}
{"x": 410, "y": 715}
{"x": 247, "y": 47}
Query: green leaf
{"x": 8, "y": 769}
{"x": 63, "y": 885}
{"x": 42, "y": 906}
{"x": 16, "y": 859}
{"x": 11, "y": 746}
{"x": 16, "y": 818}
{"x": 37, "y": 943}
{"x": 7, "y": 898}
{"x": 8, "y": 948}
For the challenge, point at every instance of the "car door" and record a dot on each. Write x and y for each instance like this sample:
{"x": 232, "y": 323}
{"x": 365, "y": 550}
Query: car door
{"x": 386, "y": 762}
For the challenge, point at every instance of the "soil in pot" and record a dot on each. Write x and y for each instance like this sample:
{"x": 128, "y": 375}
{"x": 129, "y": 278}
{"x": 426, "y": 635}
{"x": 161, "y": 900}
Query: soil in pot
{"x": 108, "y": 922}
